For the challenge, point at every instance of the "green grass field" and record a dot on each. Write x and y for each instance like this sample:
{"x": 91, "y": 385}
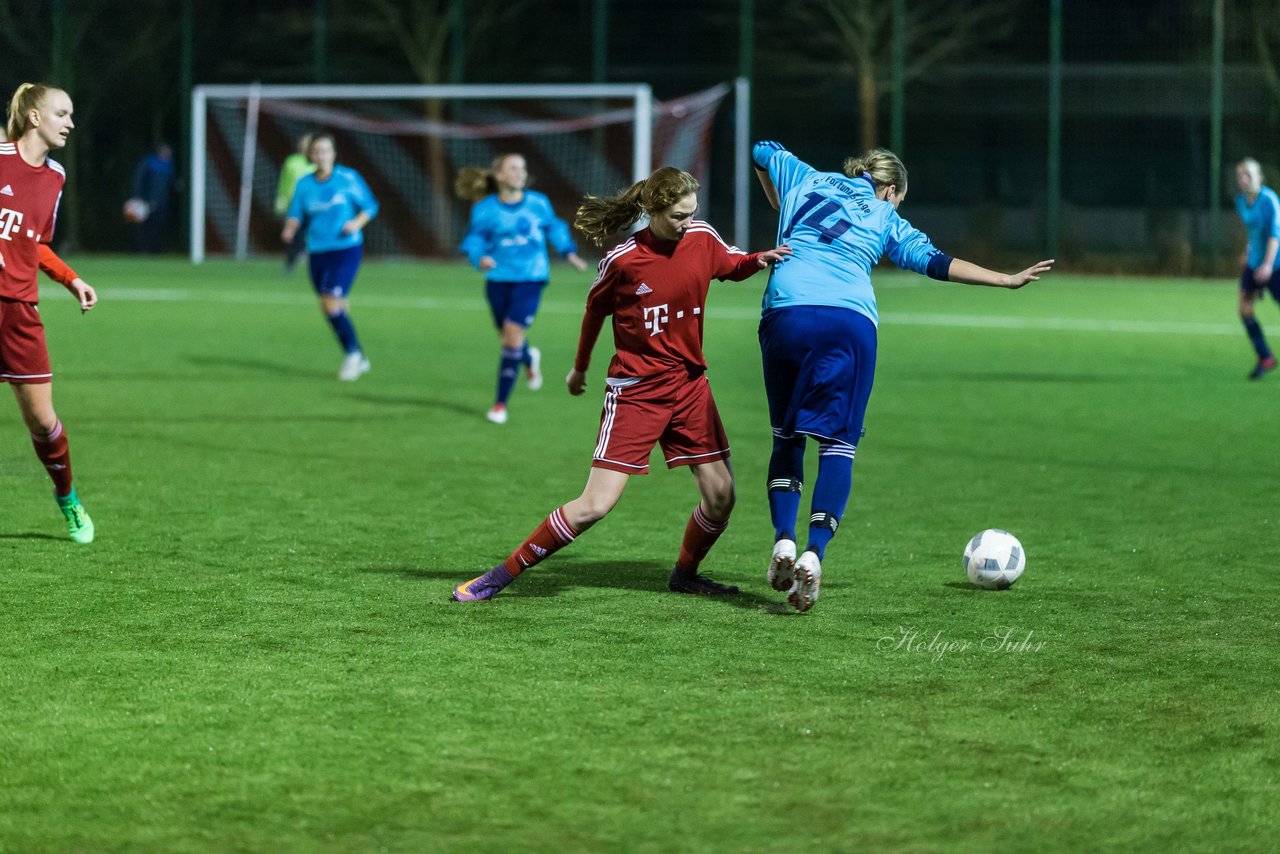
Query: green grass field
{"x": 258, "y": 652}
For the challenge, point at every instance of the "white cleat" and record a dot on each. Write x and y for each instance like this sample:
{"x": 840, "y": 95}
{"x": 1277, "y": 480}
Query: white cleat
{"x": 782, "y": 565}
{"x": 497, "y": 415}
{"x": 533, "y": 373}
{"x": 354, "y": 366}
{"x": 808, "y": 579}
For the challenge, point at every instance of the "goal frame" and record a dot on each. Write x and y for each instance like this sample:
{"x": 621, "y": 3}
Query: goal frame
{"x": 640, "y": 95}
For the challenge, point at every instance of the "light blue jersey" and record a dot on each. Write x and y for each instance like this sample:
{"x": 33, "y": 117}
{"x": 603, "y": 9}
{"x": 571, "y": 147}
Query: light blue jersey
{"x": 1261, "y": 220}
{"x": 838, "y": 231}
{"x": 324, "y": 207}
{"x": 515, "y": 236}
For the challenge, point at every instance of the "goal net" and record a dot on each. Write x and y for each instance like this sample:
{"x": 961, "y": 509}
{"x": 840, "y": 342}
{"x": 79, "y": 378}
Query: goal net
{"x": 408, "y": 142}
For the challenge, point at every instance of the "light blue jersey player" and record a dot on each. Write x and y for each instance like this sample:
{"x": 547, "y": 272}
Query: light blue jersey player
{"x": 1259, "y": 210}
{"x": 507, "y": 241}
{"x": 332, "y": 206}
{"x": 818, "y": 333}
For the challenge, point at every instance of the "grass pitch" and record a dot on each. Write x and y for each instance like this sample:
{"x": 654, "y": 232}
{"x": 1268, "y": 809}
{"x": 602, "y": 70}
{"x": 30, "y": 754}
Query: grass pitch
{"x": 259, "y": 654}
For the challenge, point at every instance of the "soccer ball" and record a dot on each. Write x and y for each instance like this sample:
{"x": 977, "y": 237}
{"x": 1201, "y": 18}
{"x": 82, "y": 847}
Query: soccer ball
{"x": 994, "y": 559}
{"x": 136, "y": 210}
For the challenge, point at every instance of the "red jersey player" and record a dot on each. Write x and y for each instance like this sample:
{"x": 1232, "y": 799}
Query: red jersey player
{"x": 654, "y": 285}
{"x": 30, "y": 189}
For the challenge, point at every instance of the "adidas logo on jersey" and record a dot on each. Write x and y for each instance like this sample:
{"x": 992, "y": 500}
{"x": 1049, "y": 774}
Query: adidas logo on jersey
{"x": 6, "y": 190}
{"x": 643, "y": 289}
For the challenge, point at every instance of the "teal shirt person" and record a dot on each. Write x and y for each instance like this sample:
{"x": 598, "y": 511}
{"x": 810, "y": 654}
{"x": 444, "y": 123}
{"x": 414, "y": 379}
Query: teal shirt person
{"x": 324, "y": 207}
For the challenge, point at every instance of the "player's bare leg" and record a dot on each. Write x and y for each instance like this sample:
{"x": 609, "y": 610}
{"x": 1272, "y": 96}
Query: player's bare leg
{"x": 35, "y": 401}
{"x": 564, "y": 525}
{"x": 708, "y": 521}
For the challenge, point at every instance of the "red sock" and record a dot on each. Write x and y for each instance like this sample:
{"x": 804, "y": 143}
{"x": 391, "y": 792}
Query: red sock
{"x": 699, "y": 536}
{"x": 553, "y": 534}
{"x": 55, "y": 453}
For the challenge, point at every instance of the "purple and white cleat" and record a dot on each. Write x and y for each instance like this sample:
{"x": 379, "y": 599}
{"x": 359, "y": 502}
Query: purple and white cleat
{"x": 483, "y": 587}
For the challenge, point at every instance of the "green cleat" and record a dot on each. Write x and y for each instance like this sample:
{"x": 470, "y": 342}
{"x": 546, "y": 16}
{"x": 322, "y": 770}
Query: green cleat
{"x": 79, "y": 525}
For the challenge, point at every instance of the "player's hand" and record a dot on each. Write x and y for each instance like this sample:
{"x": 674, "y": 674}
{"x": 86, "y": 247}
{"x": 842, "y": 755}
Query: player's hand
{"x": 1031, "y": 274}
{"x": 1262, "y": 274}
{"x": 576, "y": 381}
{"x": 577, "y": 262}
{"x": 1, "y": 260}
{"x": 486, "y": 264}
{"x": 773, "y": 256}
{"x": 351, "y": 226}
{"x": 83, "y": 292}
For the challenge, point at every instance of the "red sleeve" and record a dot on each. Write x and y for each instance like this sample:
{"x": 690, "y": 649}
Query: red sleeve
{"x": 592, "y": 323}
{"x": 54, "y": 267}
{"x": 740, "y": 267}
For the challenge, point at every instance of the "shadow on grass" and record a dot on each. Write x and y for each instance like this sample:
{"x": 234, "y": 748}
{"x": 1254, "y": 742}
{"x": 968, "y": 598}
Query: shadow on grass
{"x": 31, "y": 535}
{"x": 263, "y": 366}
{"x": 418, "y": 403}
{"x": 567, "y": 573}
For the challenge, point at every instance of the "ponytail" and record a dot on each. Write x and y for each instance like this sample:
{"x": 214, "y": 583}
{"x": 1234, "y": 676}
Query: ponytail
{"x": 28, "y": 97}
{"x": 600, "y": 217}
{"x": 474, "y": 182}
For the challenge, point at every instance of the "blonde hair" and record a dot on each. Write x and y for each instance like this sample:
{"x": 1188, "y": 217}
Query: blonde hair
{"x": 475, "y": 182}
{"x": 28, "y": 97}
{"x": 882, "y": 166}
{"x": 599, "y": 217}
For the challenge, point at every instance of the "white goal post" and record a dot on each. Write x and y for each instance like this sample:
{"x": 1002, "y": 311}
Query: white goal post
{"x": 579, "y": 138}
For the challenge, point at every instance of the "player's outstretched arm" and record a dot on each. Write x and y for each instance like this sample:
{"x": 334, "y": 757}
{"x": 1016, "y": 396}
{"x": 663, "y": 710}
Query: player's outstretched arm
{"x": 971, "y": 274}
{"x": 773, "y": 256}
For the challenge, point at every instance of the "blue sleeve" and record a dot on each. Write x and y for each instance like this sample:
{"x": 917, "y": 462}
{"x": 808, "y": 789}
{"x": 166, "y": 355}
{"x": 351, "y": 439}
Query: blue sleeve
{"x": 366, "y": 201}
{"x": 911, "y": 249}
{"x": 476, "y": 244}
{"x": 784, "y": 168}
{"x": 1272, "y": 218}
{"x": 557, "y": 230}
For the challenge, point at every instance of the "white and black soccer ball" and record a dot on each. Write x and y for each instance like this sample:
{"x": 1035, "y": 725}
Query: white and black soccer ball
{"x": 994, "y": 559}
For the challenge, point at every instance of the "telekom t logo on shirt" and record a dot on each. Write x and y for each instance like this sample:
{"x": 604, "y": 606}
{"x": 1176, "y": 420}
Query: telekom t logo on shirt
{"x": 10, "y": 222}
{"x": 655, "y": 316}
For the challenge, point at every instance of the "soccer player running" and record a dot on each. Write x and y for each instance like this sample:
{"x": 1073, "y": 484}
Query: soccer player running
{"x": 333, "y": 204}
{"x": 30, "y": 189}
{"x": 818, "y": 333}
{"x": 1259, "y": 210}
{"x": 654, "y": 285}
{"x": 507, "y": 241}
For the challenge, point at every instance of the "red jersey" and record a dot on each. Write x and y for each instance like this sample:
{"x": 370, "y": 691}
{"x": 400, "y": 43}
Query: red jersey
{"x": 29, "y": 197}
{"x": 656, "y": 291}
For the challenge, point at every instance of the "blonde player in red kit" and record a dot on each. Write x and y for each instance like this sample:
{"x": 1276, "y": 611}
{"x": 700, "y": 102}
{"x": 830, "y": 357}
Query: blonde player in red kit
{"x": 654, "y": 285}
{"x": 30, "y": 189}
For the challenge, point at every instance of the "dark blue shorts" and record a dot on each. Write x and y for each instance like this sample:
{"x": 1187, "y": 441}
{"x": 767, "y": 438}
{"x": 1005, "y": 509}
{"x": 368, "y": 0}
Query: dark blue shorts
{"x": 1248, "y": 285}
{"x": 516, "y": 302}
{"x": 333, "y": 273}
{"x": 819, "y": 364}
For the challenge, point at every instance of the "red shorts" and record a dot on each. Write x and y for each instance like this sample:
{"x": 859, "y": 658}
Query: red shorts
{"x": 24, "y": 356}
{"x": 671, "y": 410}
